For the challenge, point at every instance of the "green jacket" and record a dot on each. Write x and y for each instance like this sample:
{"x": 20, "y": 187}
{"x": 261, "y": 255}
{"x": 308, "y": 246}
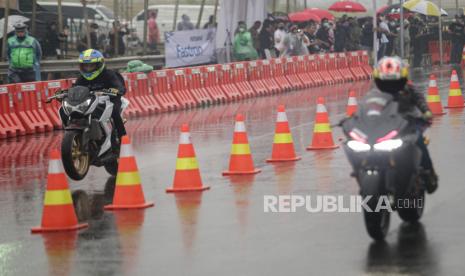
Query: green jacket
{"x": 243, "y": 47}
{"x": 25, "y": 54}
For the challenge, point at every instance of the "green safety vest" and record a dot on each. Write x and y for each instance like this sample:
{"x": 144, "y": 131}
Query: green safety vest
{"x": 21, "y": 52}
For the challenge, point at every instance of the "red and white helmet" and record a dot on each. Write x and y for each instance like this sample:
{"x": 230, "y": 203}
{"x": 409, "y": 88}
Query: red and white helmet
{"x": 391, "y": 69}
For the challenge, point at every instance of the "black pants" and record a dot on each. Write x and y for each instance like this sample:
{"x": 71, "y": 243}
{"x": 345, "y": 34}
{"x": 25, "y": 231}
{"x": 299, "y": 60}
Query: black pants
{"x": 116, "y": 116}
{"x": 426, "y": 162}
{"x": 21, "y": 76}
{"x": 456, "y": 53}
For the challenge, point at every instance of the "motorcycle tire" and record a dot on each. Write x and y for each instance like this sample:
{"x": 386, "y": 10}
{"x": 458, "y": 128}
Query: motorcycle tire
{"x": 71, "y": 142}
{"x": 376, "y": 223}
{"x": 414, "y": 212}
{"x": 81, "y": 205}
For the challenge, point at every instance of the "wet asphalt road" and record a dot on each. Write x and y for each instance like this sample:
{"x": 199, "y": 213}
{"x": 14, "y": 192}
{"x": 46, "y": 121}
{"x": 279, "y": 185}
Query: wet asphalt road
{"x": 224, "y": 230}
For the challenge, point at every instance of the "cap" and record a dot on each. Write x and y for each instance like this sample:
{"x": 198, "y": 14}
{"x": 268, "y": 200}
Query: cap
{"x": 20, "y": 26}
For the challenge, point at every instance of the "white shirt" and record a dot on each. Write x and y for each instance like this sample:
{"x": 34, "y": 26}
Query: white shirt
{"x": 383, "y": 25}
{"x": 279, "y": 36}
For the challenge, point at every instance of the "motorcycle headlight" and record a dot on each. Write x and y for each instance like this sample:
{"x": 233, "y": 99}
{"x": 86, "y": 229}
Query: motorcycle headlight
{"x": 84, "y": 106}
{"x": 388, "y": 145}
{"x": 67, "y": 107}
{"x": 358, "y": 146}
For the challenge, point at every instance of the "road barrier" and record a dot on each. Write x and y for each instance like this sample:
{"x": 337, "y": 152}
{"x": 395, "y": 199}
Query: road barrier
{"x": 23, "y": 109}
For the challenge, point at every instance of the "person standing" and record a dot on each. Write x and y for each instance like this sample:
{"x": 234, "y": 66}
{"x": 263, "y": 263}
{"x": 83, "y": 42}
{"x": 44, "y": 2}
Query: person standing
{"x": 383, "y": 29}
{"x": 313, "y": 45}
{"x": 266, "y": 38}
{"x": 153, "y": 31}
{"x": 295, "y": 43}
{"x": 185, "y": 24}
{"x": 52, "y": 41}
{"x": 355, "y": 34}
{"x": 121, "y": 31}
{"x": 323, "y": 35}
{"x": 243, "y": 45}
{"x": 341, "y": 36}
{"x": 366, "y": 39}
{"x": 254, "y": 33}
{"x": 279, "y": 36}
{"x": 24, "y": 54}
{"x": 82, "y": 44}
{"x": 457, "y": 29}
{"x": 211, "y": 24}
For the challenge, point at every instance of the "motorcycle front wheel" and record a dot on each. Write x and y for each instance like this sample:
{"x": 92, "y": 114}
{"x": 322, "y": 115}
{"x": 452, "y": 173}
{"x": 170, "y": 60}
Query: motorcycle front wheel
{"x": 75, "y": 161}
{"x": 376, "y": 223}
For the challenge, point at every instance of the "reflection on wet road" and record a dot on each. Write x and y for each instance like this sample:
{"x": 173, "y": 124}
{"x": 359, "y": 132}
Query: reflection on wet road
{"x": 225, "y": 229}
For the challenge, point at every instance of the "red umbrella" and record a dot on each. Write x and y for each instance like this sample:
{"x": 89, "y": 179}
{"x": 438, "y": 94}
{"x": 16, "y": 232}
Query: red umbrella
{"x": 303, "y": 17}
{"x": 347, "y": 6}
{"x": 382, "y": 9}
{"x": 320, "y": 13}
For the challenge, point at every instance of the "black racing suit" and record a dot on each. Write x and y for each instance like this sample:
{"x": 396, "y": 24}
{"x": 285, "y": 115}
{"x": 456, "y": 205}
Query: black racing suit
{"x": 106, "y": 80}
{"x": 408, "y": 98}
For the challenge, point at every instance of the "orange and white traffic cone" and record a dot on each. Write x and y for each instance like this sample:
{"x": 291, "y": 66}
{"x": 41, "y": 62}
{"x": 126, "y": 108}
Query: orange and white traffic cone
{"x": 455, "y": 92}
{"x": 283, "y": 145}
{"x": 352, "y": 104}
{"x": 58, "y": 213}
{"x": 433, "y": 99}
{"x": 322, "y": 134}
{"x": 128, "y": 188}
{"x": 187, "y": 176}
{"x": 241, "y": 161}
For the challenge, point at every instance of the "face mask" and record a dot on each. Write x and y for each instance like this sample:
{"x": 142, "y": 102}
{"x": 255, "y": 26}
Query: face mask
{"x": 281, "y": 28}
{"x": 241, "y": 30}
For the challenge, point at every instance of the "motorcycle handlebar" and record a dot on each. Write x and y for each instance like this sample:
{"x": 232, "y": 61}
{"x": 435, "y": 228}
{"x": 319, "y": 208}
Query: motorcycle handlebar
{"x": 62, "y": 93}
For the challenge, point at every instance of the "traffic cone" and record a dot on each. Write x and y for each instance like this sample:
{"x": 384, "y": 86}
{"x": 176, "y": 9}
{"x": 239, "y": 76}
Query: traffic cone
{"x": 352, "y": 104}
{"x": 241, "y": 161}
{"x": 433, "y": 98}
{"x": 322, "y": 135}
{"x": 58, "y": 213}
{"x": 128, "y": 189}
{"x": 455, "y": 92}
{"x": 187, "y": 176}
{"x": 283, "y": 145}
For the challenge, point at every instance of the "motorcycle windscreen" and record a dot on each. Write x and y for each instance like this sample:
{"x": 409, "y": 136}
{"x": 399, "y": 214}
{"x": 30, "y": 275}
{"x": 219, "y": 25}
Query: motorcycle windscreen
{"x": 378, "y": 116}
{"x": 78, "y": 94}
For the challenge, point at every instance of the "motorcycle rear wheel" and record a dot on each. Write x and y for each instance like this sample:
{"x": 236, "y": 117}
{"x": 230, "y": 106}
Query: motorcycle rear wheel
{"x": 75, "y": 161}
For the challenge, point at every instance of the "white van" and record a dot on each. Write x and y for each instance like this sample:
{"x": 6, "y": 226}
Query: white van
{"x": 166, "y": 16}
{"x": 74, "y": 12}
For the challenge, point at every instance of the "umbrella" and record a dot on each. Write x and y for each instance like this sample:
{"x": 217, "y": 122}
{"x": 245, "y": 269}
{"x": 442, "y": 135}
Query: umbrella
{"x": 320, "y": 13}
{"x": 424, "y": 7}
{"x": 347, "y": 6}
{"x": 280, "y": 16}
{"x": 392, "y": 11}
{"x": 303, "y": 17}
{"x": 12, "y": 20}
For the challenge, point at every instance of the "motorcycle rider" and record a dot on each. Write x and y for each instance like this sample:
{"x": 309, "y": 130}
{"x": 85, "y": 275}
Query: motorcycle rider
{"x": 391, "y": 76}
{"x": 95, "y": 76}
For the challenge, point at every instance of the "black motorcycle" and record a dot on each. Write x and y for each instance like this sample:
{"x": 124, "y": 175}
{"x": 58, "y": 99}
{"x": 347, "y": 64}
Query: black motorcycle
{"x": 90, "y": 135}
{"x": 382, "y": 149}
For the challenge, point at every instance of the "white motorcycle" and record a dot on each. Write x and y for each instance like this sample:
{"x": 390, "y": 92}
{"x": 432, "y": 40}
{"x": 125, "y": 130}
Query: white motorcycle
{"x": 90, "y": 135}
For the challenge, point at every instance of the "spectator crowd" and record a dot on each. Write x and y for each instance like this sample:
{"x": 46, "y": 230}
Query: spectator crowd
{"x": 274, "y": 37}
